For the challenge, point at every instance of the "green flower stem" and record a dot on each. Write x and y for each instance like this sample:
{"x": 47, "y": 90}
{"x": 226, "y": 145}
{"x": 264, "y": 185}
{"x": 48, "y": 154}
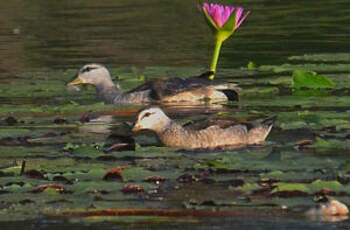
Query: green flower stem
{"x": 215, "y": 58}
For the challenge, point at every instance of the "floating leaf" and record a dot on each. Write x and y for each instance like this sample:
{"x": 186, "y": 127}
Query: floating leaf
{"x": 87, "y": 151}
{"x": 318, "y": 185}
{"x": 290, "y": 187}
{"x": 134, "y": 174}
{"x": 310, "y": 80}
{"x": 114, "y": 173}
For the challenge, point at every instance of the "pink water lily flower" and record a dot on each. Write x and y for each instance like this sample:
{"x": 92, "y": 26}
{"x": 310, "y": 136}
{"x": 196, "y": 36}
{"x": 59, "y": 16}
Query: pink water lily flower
{"x": 224, "y": 21}
{"x": 220, "y": 14}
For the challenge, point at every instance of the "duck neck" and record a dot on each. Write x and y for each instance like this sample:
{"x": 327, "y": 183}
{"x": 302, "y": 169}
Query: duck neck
{"x": 173, "y": 135}
{"x": 162, "y": 125}
{"x": 169, "y": 126}
{"x": 107, "y": 91}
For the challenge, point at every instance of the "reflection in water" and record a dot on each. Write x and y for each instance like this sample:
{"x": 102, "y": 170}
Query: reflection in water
{"x": 119, "y": 129}
{"x": 105, "y": 124}
{"x": 100, "y": 124}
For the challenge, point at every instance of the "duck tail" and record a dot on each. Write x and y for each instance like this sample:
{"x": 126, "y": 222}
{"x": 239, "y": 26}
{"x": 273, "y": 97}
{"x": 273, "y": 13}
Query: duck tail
{"x": 258, "y": 133}
{"x": 231, "y": 90}
{"x": 269, "y": 121}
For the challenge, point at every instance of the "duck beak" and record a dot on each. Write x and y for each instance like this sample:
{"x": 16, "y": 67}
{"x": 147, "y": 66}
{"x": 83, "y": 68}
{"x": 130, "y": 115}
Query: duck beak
{"x": 76, "y": 81}
{"x": 136, "y": 128}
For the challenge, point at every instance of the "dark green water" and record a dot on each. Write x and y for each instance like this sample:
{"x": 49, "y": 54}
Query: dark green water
{"x": 43, "y": 43}
{"x": 68, "y": 34}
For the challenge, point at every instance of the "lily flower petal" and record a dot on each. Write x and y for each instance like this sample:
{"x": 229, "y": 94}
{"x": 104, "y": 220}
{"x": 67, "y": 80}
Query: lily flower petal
{"x": 239, "y": 20}
{"x": 218, "y": 13}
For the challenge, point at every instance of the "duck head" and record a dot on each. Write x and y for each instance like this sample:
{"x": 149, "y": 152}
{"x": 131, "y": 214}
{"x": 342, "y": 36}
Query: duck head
{"x": 93, "y": 74}
{"x": 151, "y": 119}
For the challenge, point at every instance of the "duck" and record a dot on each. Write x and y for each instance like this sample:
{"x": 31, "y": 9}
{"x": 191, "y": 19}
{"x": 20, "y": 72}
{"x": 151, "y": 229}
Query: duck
{"x": 160, "y": 90}
{"x": 222, "y": 136}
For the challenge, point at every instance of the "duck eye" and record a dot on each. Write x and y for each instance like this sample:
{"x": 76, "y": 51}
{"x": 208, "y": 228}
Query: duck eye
{"x": 146, "y": 115}
{"x": 88, "y": 69}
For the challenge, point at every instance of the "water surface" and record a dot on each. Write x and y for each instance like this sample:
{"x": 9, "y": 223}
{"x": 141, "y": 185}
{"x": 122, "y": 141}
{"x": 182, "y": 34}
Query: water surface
{"x": 66, "y": 34}
{"x": 43, "y": 43}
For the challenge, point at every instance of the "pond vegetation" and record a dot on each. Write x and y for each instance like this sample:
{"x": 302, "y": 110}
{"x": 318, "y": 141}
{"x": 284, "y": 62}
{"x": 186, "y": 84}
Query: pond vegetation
{"x": 56, "y": 160}
{"x": 303, "y": 162}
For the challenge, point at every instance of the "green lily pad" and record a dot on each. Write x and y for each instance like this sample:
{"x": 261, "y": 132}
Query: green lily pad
{"x": 87, "y": 151}
{"x": 311, "y": 80}
{"x": 314, "y": 187}
{"x": 135, "y": 174}
{"x": 329, "y": 144}
{"x": 285, "y": 187}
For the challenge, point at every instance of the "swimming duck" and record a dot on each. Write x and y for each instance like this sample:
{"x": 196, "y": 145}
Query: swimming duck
{"x": 214, "y": 136}
{"x": 158, "y": 90}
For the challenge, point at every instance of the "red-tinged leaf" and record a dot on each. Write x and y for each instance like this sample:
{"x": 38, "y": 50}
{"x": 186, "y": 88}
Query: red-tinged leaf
{"x": 304, "y": 142}
{"x": 114, "y": 173}
{"x": 41, "y": 188}
{"x": 84, "y": 118}
{"x": 50, "y": 134}
{"x": 117, "y": 147}
{"x": 103, "y": 192}
{"x": 325, "y": 192}
{"x": 130, "y": 188}
{"x": 60, "y": 121}
{"x": 198, "y": 176}
{"x": 154, "y": 179}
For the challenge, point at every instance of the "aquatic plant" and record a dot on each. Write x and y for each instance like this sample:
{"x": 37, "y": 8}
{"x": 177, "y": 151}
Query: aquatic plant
{"x": 224, "y": 21}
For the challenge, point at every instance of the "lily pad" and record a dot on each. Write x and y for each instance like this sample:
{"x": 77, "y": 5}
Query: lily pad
{"x": 311, "y": 80}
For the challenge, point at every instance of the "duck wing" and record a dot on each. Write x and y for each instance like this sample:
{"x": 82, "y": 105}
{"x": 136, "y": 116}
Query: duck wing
{"x": 214, "y": 121}
{"x": 224, "y": 123}
{"x": 167, "y": 87}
